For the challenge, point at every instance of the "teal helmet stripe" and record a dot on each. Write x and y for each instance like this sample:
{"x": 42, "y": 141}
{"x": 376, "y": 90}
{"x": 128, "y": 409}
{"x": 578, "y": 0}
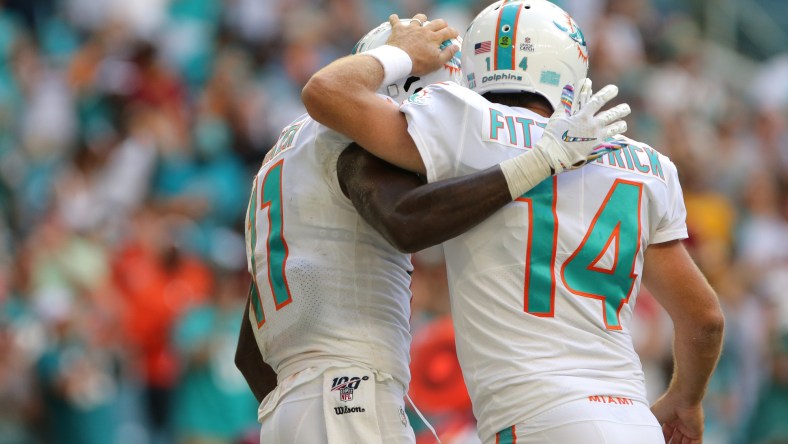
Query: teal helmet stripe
{"x": 358, "y": 48}
{"x": 507, "y": 26}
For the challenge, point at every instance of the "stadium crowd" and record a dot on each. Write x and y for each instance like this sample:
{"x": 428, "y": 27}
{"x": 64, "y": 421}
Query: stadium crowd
{"x": 129, "y": 132}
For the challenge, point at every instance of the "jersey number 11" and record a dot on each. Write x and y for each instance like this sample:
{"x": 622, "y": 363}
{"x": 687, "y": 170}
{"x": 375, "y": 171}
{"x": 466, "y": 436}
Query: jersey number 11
{"x": 275, "y": 244}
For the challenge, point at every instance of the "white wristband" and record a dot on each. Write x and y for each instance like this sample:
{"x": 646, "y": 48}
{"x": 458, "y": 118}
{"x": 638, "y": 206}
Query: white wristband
{"x": 524, "y": 172}
{"x": 396, "y": 62}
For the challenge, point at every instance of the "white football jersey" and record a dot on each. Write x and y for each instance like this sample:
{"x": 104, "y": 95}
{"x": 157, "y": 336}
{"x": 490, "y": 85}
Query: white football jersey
{"x": 327, "y": 287}
{"x": 543, "y": 291}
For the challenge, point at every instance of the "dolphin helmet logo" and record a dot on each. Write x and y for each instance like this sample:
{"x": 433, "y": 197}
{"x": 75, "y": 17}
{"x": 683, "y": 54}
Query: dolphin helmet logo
{"x": 453, "y": 65}
{"x": 574, "y": 33}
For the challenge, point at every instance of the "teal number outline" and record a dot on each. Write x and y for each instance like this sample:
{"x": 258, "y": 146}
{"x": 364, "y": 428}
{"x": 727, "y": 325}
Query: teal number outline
{"x": 540, "y": 221}
{"x": 616, "y": 213}
{"x": 254, "y": 289}
{"x": 614, "y": 221}
{"x": 276, "y": 246}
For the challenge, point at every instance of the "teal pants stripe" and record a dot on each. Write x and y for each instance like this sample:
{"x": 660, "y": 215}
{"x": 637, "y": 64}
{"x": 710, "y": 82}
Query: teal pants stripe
{"x": 506, "y": 436}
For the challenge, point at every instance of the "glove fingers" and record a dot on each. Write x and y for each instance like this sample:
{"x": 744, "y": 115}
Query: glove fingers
{"x": 604, "y": 148}
{"x": 567, "y": 98}
{"x": 597, "y": 154}
{"x": 616, "y": 113}
{"x": 584, "y": 95}
{"x": 615, "y": 129}
{"x": 599, "y": 99}
{"x": 608, "y": 146}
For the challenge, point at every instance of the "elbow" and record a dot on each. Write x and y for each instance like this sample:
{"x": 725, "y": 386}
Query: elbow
{"x": 714, "y": 324}
{"x": 310, "y": 92}
{"x": 314, "y": 93}
{"x": 710, "y": 327}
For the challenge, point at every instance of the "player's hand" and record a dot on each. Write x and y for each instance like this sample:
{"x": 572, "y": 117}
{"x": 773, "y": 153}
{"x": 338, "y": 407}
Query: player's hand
{"x": 681, "y": 422}
{"x": 577, "y": 132}
{"x": 422, "y": 41}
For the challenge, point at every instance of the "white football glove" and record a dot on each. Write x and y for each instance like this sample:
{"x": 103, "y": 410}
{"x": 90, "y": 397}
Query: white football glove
{"x": 575, "y": 135}
{"x": 578, "y": 133}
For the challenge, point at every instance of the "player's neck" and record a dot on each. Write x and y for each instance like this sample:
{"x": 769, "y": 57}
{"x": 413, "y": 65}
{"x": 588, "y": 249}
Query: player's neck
{"x": 540, "y": 109}
{"x": 530, "y": 101}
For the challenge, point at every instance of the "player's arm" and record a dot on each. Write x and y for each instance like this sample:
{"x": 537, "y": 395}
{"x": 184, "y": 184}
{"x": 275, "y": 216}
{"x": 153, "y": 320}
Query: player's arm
{"x": 676, "y": 282}
{"x": 260, "y": 377}
{"x": 342, "y": 96}
{"x": 413, "y": 215}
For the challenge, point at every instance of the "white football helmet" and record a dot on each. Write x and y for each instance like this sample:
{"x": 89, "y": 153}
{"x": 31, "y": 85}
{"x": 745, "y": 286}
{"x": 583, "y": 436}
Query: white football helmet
{"x": 524, "y": 45}
{"x": 404, "y": 88}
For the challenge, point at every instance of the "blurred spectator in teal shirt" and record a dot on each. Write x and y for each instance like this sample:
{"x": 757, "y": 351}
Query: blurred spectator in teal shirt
{"x": 213, "y": 405}
{"x": 768, "y": 423}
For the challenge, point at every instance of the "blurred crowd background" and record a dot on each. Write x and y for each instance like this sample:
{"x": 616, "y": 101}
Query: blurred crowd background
{"x": 130, "y": 130}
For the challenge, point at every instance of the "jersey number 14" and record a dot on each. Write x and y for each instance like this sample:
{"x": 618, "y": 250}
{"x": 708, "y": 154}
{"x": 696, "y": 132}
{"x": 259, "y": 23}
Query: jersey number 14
{"x": 616, "y": 224}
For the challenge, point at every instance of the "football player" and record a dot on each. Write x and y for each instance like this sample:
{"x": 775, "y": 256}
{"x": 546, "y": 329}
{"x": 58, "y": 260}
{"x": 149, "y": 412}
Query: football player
{"x": 542, "y": 292}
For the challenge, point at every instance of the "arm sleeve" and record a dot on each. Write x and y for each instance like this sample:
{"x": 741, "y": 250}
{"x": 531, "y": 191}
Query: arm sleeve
{"x": 436, "y": 122}
{"x": 673, "y": 224}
